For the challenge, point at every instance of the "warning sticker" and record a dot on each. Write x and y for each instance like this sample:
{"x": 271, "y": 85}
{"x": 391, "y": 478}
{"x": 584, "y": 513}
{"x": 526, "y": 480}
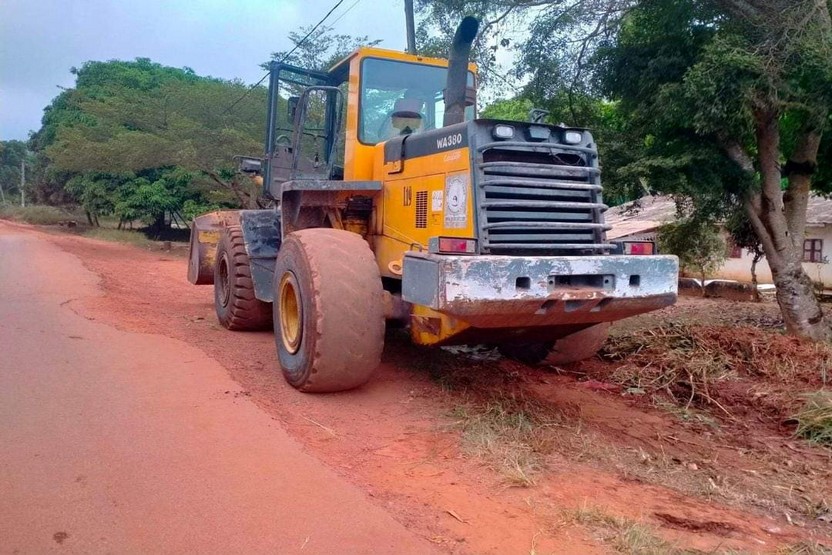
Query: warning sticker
{"x": 436, "y": 201}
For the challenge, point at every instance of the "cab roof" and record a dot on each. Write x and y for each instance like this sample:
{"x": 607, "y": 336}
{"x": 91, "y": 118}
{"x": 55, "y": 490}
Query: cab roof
{"x": 340, "y": 70}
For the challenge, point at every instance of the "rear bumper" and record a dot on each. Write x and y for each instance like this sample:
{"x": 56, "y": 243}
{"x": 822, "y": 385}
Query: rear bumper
{"x": 530, "y": 291}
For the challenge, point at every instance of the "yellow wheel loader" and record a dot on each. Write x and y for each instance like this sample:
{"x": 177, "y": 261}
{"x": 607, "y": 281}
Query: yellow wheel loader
{"x": 394, "y": 202}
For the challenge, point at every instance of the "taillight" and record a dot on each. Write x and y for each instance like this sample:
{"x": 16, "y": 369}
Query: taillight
{"x": 456, "y": 245}
{"x": 641, "y": 247}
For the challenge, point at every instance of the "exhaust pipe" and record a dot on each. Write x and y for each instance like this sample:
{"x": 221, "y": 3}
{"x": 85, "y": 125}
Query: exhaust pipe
{"x": 456, "y": 87}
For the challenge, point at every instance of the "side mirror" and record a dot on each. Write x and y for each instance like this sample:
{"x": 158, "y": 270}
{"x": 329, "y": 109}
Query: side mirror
{"x": 248, "y": 164}
{"x": 293, "y": 107}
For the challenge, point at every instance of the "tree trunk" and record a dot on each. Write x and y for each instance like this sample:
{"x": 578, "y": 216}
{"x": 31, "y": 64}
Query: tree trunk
{"x": 158, "y": 225}
{"x": 801, "y": 310}
{"x": 754, "y": 283}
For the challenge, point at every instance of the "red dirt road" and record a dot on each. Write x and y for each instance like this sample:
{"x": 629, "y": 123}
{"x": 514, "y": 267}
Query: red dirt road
{"x": 400, "y": 439}
{"x": 123, "y": 442}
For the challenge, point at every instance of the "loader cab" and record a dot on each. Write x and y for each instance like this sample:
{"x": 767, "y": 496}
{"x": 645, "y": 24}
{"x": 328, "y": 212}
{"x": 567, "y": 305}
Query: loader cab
{"x": 326, "y": 125}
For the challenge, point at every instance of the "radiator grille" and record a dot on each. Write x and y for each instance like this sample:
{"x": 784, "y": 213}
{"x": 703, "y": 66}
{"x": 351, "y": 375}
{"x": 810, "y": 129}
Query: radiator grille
{"x": 539, "y": 199}
{"x": 421, "y": 209}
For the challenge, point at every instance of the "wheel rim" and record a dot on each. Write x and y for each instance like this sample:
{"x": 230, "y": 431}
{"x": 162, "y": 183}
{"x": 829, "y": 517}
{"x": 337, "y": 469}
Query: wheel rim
{"x": 291, "y": 314}
{"x": 225, "y": 285}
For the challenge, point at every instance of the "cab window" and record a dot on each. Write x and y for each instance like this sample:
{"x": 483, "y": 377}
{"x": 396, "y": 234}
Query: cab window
{"x": 398, "y": 98}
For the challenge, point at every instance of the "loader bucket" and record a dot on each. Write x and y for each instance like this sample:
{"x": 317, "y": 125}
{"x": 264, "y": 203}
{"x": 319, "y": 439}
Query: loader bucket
{"x": 205, "y": 234}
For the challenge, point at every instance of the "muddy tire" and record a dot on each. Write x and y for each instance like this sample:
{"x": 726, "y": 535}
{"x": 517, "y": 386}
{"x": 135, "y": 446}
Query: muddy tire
{"x": 237, "y": 307}
{"x": 328, "y": 310}
{"x": 527, "y": 353}
{"x": 580, "y": 345}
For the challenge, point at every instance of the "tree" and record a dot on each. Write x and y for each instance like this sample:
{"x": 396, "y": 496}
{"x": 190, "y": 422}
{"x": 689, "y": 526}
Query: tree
{"x": 728, "y": 99}
{"x": 737, "y": 93}
{"x": 137, "y": 139}
{"x": 12, "y": 154}
{"x": 697, "y": 243}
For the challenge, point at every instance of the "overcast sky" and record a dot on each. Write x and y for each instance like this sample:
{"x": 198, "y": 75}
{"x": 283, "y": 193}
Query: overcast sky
{"x": 40, "y": 40}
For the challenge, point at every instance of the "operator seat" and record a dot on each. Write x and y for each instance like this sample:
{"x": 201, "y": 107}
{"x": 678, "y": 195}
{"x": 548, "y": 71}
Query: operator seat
{"x": 406, "y": 118}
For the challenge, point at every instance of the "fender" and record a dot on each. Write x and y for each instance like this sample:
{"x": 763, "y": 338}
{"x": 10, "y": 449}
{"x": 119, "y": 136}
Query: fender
{"x": 261, "y": 233}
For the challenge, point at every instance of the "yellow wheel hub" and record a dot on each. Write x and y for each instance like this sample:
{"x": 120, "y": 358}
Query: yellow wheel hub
{"x": 291, "y": 313}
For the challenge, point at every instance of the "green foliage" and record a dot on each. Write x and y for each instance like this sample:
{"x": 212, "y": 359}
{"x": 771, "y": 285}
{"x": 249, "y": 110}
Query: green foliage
{"x": 138, "y": 139}
{"x": 514, "y": 109}
{"x": 697, "y": 243}
{"x": 12, "y": 153}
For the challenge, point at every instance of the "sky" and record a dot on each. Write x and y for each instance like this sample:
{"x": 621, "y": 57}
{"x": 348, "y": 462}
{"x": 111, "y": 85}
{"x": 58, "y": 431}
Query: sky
{"x": 40, "y": 40}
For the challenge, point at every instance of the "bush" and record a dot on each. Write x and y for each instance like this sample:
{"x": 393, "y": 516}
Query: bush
{"x": 36, "y": 214}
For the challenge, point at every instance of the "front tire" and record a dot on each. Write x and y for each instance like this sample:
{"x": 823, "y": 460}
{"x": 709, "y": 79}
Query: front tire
{"x": 236, "y": 306}
{"x": 527, "y": 353}
{"x": 580, "y": 345}
{"x": 575, "y": 347}
{"x": 328, "y": 311}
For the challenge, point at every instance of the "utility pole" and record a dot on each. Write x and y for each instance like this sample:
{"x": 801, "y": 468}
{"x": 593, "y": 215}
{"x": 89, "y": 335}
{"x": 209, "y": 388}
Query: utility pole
{"x": 23, "y": 183}
{"x": 411, "y": 27}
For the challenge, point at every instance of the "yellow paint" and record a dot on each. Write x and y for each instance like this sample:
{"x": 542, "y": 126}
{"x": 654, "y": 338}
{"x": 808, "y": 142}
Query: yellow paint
{"x": 358, "y": 157}
{"x": 406, "y": 184}
{"x": 210, "y": 238}
{"x": 428, "y": 327}
{"x": 396, "y": 221}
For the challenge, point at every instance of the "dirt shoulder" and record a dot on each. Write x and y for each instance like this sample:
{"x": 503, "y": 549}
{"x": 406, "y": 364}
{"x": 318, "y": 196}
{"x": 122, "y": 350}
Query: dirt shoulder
{"x": 489, "y": 456}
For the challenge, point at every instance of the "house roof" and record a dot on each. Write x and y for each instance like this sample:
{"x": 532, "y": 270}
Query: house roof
{"x": 651, "y": 212}
{"x": 819, "y": 212}
{"x": 638, "y": 216}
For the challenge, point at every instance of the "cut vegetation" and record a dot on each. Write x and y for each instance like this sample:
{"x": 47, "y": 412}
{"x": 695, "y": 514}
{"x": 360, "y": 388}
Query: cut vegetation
{"x": 814, "y": 420}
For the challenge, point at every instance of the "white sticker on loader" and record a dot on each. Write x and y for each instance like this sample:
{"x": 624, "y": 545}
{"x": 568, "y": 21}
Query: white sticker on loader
{"x": 456, "y": 203}
{"x": 436, "y": 201}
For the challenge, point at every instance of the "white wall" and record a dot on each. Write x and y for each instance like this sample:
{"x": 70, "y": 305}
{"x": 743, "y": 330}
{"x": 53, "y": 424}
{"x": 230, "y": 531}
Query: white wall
{"x": 740, "y": 268}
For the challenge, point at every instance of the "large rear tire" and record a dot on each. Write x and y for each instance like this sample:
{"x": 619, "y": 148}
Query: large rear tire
{"x": 328, "y": 310}
{"x": 237, "y": 307}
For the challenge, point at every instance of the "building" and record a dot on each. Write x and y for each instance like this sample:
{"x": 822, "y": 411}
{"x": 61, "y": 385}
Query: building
{"x": 641, "y": 219}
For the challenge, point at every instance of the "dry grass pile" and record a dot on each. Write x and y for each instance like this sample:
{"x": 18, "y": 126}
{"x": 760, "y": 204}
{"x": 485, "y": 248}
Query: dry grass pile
{"x": 814, "y": 419}
{"x": 702, "y": 365}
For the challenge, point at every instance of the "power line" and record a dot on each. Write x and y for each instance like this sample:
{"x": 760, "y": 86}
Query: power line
{"x": 286, "y": 57}
{"x": 346, "y": 12}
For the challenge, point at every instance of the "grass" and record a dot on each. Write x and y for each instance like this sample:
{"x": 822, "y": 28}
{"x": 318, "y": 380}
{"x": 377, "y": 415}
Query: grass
{"x": 509, "y": 432}
{"x": 36, "y": 214}
{"x": 814, "y": 420}
{"x": 118, "y": 235}
{"x": 806, "y": 548}
{"x": 622, "y": 534}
